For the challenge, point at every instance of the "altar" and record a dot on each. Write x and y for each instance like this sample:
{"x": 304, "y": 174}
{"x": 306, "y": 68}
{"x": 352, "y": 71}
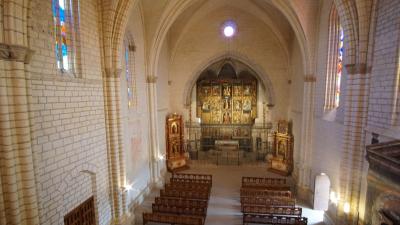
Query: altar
{"x": 227, "y": 145}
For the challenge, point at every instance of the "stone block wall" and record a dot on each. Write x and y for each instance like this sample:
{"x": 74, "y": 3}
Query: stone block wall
{"x": 384, "y": 101}
{"x": 69, "y": 144}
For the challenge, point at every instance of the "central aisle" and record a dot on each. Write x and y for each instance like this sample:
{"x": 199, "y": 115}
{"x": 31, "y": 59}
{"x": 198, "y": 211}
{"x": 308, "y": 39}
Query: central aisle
{"x": 224, "y": 204}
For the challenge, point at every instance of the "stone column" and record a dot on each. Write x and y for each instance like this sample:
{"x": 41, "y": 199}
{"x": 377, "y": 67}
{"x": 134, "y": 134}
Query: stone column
{"x": 305, "y": 163}
{"x": 353, "y": 155}
{"x": 111, "y": 89}
{"x": 153, "y": 116}
{"x": 18, "y": 195}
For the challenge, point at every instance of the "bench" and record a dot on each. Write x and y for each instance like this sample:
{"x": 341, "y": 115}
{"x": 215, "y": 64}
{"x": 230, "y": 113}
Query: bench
{"x": 188, "y": 186}
{"x": 282, "y": 202}
{"x": 272, "y": 220}
{"x": 184, "y": 194}
{"x": 272, "y": 210}
{"x": 265, "y": 183}
{"x": 192, "y": 176}
{"x": 181, "y": 202}
{"x": 172, "y": 219}
{"x": 190, "y": 181}
{"x": 192, "y": 211}
{"x": 250, "y": 192}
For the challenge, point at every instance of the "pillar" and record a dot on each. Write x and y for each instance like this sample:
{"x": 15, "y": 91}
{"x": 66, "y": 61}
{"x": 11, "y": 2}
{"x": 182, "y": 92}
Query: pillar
{"x": 18, "y": 195}
{"x": 115, "y": 148}
{"x": 305, "y": 163}
{"x": 354, "y": 140}
{"x": 154, "y": 141}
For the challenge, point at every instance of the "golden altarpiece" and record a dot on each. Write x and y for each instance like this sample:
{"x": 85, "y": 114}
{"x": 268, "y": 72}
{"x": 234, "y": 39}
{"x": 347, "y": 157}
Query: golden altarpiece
{"x": 281, "y": 159}
{"x": 227, "y": 107}
{"x": 174, "y": 130}
{"x": 227, "y": 126}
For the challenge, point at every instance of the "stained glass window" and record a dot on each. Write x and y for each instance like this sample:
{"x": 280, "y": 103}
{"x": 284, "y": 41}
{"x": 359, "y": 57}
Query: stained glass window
{"x": 334, "y": 64}
{"x": 61, "y": 33}
{"x": 339, "y": 66}
{"x": 130, "y": 75}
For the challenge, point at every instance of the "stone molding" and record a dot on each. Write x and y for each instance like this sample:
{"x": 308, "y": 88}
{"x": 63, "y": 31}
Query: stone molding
{"x": 151, "y": 79}
{"x": 270, "y": 106}
{"x": 360, "y": 68}
{"x": 113, "y": 72}
{"x": 17, "y": 53}
{"x": 310, "y": 78}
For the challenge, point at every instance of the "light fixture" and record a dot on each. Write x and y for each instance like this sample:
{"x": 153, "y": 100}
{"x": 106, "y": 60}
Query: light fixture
{"x": 346, "y": 208}
{"x": 229, "y": 28}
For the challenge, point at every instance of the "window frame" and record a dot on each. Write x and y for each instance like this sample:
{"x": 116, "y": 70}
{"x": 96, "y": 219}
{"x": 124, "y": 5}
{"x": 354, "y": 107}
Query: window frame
{"x": 72, "y": 21}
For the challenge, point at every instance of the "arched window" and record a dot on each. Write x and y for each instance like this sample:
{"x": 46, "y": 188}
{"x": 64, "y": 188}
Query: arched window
{"x": 130, "y": 74}
{"x": 335, "y": 61}
{"x": 64, "y": 24}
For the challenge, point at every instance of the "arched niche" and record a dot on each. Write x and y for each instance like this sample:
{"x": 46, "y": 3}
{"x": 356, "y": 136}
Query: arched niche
{"x": 240, "y": 64}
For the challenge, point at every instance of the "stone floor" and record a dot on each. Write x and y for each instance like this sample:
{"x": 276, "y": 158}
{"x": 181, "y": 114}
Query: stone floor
{"x": 224, "y": 204}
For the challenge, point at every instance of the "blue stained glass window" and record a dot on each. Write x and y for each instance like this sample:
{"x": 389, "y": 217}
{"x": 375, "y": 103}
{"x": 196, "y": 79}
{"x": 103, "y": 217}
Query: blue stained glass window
{"x": 339, "y": 66}
{"x": 61, "y": 34}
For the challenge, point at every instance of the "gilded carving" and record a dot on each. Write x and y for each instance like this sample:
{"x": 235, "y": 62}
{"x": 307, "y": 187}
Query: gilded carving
{"x": 228, "y": 101}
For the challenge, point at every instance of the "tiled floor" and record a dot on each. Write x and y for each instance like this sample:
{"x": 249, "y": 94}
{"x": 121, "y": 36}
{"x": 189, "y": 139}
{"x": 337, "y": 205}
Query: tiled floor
{"x": 224, "y": 204}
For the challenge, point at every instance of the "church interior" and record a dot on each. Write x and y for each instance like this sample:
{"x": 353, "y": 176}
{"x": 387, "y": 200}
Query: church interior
{"x": 199, "y": 112}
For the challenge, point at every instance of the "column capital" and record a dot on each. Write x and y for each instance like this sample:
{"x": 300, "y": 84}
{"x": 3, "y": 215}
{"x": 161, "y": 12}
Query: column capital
{"x": 310, "y": 78}
{"x": 359, "y": 68}
{"x": 113, "y": 72}
{"x": 270, "y": 105}
{"x": 17, "y": 53}
{"x": 151, "y": 79}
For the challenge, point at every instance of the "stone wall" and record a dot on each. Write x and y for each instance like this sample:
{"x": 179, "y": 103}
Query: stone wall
{"x": 70, "y": 145}
{"x": 384, "y": 103}
{"x": 135, "y": 120}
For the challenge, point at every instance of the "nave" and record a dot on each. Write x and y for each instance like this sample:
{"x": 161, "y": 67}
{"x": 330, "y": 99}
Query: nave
{"x": 224, "y": 204}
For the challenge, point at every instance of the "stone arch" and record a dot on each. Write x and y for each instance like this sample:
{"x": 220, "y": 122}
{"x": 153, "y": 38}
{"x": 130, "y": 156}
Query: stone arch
{"x": 348, "y": 19}
{"x": 123, "y": 11}
{"x": 174, "y": 9}
{"x": 251, "y": 11}
{"x": 261, "y": 75}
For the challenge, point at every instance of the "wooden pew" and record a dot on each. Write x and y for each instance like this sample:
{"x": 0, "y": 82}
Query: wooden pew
{"x": 172, "y": 219}
{"x": 265, "y": 201}
{"x": 272, "y": 220}
{"x": 250, "y": 192}
{"x": 193, "y": 176}
{"x": 272, "y": 210}
{"x": 184, "y": 194}
{"x": 265, "y": 183}
{"x": 191, "y": 211}
{"x": 190, "y": 181}
{"x": 188, "y": 186}
{"x": 181, "y": 202}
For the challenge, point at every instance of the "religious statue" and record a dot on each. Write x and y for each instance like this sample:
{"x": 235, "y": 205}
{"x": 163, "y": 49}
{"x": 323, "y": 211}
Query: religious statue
{"x": 206, "y": 91}
{"x": 216, "y": 90}
{"x": 206, "y": 106}
{"x": 226, "y": 117}
{"x": 246, "y": 90}
{"x": 226, "y": 104}
{"x": 237, "y": 105}
{"x": 237, "y": 91}
{"x": 174, "y": 128}
{"x": 247, "y": 105}
{"x": 227, "y": 91}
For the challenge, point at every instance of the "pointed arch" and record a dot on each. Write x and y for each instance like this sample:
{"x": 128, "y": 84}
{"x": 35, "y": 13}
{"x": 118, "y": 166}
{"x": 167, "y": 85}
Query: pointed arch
{"x": 261, "y": 75}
